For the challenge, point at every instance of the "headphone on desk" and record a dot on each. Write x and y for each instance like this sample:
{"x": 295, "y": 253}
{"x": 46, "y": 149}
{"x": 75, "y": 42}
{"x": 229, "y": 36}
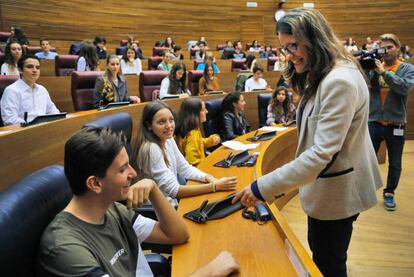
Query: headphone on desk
{"x": 261, "y": 213}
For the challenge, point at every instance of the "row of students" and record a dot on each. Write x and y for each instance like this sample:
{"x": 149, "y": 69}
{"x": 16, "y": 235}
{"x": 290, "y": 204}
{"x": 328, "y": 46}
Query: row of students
{"x": 112, "y": 87}
{"x": 162, "y": 158}
{"x": 159, "y": 158}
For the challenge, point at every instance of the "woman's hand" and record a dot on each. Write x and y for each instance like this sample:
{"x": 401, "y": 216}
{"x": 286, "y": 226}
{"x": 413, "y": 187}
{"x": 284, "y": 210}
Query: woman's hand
{"x": 135, "y": 99}
{"x": 216, "y": 139}
{"x": 226, "y": 183}
{"x": 246, "y": 197}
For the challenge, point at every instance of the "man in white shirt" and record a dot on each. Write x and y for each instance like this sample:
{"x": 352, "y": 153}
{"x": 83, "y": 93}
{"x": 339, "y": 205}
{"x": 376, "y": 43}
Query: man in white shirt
{"x": 25, "y": 95}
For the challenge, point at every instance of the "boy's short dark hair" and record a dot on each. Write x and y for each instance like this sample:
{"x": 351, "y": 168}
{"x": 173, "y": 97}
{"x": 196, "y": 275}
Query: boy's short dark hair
{"x": 20, "y": 63}
{"x": 258, "y": 67}
{"x": 90, "y": 152}
{"x": 201, "y": 43}
{"x": 43, "y": 39}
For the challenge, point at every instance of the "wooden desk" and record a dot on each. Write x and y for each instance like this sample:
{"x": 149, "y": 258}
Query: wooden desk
{"x": 260, "y": 249}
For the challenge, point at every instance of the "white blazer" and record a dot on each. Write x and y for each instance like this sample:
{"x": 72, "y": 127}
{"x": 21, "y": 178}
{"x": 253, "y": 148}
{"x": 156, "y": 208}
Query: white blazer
{"x": 334, "y": 121}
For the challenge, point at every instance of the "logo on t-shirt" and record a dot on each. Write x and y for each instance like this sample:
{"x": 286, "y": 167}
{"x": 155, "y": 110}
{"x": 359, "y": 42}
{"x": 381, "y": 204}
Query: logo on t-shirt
{"x": 118, "y": 254}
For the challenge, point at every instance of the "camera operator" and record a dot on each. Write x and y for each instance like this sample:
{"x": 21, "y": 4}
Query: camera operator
{"x": 391, "y": 81}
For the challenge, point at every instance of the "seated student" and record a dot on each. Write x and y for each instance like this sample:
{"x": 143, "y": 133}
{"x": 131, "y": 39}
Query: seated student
{"x": 209, "y": 82}
{"x": 202, "y": 39}
{"x": 25, "y": 96}
{"x": 168, "y": 43}
{"x": 158, "y": 157}
{"x": 165, "y": 65}
{"x": 112, "y": 85}
{"x": 88, "y": 58}
{"x": 189, "y": 134}
{"x": 12, "y": 55}
{"x": 256, "y": 82}
{"x": 135, "y": 44}
{"x": 234, "y": 122}
{"x": 97, "y": 236}
{"x": 228, "y": 51}
{"x": 100, "y": 44}
{"x": 177, "y": 53}
{"x": 17, "y": 35}
{"x": 350, "y": 45}
{"x": 46, "y": 53}
{"x": 280, "y": 108}
{"x": 201, "y": 53}
{"x": 267, "y": 52}
{"x": 175, "y": 83}
{"x": 405, "y": 50}
{"x": 238, "y": 53}
{"x": 255, "y": 46}
{"x": 369, "y": 45}
{"x": 209, "y": 58}
{"x": 281, "y": 62}
{"x": 130, "y": 63}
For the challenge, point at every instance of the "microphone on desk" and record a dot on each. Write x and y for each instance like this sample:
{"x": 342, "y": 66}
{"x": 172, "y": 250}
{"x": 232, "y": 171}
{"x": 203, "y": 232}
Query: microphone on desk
{"x": 25, "y": 115}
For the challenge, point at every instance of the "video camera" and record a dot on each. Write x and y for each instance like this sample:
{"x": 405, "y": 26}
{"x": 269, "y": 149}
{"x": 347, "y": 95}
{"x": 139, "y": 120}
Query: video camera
{"x": 367, "y": 57}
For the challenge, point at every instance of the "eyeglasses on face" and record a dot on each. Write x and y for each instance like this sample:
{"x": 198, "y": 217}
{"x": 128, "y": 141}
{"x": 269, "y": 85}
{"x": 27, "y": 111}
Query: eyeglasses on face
{"x": 290, "y": 48}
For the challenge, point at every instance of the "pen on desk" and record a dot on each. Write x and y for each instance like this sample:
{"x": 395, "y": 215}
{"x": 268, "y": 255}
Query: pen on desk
{"x": 25, "y": 117}
{"x": 230, "y": 160}
{"x": 256, "y": 133}
{"x": 229, "y": 156}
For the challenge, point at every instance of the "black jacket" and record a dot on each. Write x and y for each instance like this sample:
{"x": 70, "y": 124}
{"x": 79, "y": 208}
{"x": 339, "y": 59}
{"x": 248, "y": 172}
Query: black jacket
{"x": 232, "y": 127}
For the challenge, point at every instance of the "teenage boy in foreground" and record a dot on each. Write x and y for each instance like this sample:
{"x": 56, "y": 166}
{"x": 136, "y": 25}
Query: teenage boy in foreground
{"x": 96, "y": 236}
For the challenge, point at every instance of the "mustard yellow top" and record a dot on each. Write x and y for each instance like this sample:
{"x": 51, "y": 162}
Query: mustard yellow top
{"x": 192, "y": 146}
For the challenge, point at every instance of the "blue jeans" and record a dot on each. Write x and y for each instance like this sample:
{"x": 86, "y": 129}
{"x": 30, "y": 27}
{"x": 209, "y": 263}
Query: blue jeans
{"x": 395, "y": 146}
{"x": 329, "y": 241}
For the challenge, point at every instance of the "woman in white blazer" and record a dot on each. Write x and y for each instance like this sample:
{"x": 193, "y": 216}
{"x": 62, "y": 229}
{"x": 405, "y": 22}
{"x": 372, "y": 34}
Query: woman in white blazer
{"x": 335, "y": 169}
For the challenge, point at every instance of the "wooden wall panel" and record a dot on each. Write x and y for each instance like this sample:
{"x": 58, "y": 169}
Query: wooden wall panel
{"x": 149, "y": 20}
{"x": 363, "y": 18}
{"x": 217, "y": 20}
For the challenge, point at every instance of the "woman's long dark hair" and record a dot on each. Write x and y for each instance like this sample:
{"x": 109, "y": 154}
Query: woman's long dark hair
{"x": 249, "y": 61}
{"x": 188, "y": 116}
{"x": 277, "y": 106}
{"x": 227, "y": 104}
{"x": 146, "y": 136}
{"x": 205, "y": 73}
{"x": 88, "y": 51}
{"x": 177, "y": 86}
{"x": 19, "y": 36}
{"x": 125, "y": 55}
{"x": 8, "y": 57}
{"x": 323, "y": 48}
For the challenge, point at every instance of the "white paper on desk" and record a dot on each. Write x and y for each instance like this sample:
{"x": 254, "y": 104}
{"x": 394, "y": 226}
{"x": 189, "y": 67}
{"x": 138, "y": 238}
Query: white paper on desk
{"x": 273, "y": 128}
{"x": 236, "y": 145}
{"x": 5, "y": 132}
